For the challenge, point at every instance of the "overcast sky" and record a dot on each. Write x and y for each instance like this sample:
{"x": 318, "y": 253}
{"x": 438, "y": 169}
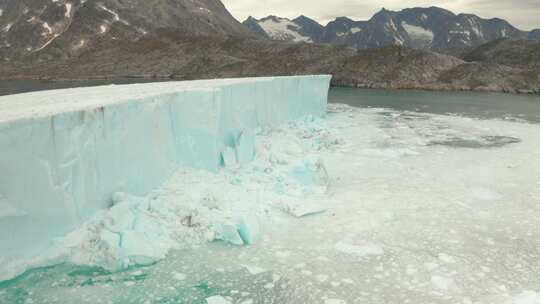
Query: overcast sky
{"x": 524, "y": 14}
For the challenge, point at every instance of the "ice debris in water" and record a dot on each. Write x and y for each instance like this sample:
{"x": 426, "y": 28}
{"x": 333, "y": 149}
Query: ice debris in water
{"x": 217, "y": 300}
{"x": 365, "y": 249}
{"x": 195, "y": 206}
{"x": 527, "y": 297}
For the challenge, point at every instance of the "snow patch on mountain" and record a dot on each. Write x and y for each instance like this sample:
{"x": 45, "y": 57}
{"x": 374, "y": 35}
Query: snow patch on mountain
{"x": 115, "y": 15}
{"x": 69, "y": 7}
{"x": 355, "y": 30}
{"x": 7, "y": 27}
{"x": 283, "y": 29}
{"x": 418, "y": 32}
{"x": 47, "y": 27}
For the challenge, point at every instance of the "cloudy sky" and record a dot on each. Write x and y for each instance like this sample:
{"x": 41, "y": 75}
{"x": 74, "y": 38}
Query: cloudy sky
{"x": 524, "y": 14}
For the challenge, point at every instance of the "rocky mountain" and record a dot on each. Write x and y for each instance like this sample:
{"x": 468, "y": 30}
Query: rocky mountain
{"x": 513, "y": 53}
{"x": 63, "y": 28}
{"x": 432, "y": 28}
{"x": 253, "y": 25}
{"x": 198, "y": 39}
{"x": 280, "y": 29}
{"x": 173, "y": 55}
{"x": 534, "y": 34}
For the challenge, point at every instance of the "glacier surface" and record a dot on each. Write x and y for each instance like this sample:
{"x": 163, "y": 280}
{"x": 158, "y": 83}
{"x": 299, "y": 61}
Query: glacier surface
{"x": 68, "y": 155}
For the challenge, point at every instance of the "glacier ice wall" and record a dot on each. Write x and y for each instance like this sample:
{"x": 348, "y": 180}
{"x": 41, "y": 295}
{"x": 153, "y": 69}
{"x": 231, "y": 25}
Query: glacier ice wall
{"x": 65, "y": 152}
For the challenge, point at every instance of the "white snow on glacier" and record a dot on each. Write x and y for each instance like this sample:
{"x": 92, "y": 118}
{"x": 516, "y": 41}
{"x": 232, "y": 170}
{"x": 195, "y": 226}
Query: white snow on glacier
{"x": 68, "y": 154}
{"x": 419, "y": 208}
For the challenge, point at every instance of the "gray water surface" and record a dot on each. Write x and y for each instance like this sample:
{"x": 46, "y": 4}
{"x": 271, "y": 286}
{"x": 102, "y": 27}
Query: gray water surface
{"x": 471, "y": 104}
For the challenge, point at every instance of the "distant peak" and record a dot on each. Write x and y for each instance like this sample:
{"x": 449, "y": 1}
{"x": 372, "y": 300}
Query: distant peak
{"x": 343, "y": 19}
{"x": 304, "y": 19}
{"x": 429, "y": 10}
{"x": 273, "y": 18}
{"x": 383, "y": 12}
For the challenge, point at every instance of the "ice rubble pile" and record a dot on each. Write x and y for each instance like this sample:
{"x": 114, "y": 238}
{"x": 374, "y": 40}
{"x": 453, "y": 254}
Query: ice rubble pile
{"x": 68, "y": 155}
{"x": 197, "y": 206}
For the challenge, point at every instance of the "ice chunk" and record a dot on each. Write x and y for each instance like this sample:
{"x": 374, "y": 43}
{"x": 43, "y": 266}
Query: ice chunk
{"x": 334, "y": 301}
{"x": 248, "y": 229}
{"x": 254, "y": 270}
{"x": 442, "y": 282}
{"x": 311, "y": 172}
{"x": 136, "y": 250}
{"x": 229, "y": 233}
{"x": 217, "y": 300}
{"x": 243, "y": 231}
{"x": 527, "y": 297}
{"x": 179, "y": 276}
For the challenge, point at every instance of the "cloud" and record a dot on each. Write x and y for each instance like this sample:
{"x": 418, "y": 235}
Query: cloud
{"x": 523, "y": 14}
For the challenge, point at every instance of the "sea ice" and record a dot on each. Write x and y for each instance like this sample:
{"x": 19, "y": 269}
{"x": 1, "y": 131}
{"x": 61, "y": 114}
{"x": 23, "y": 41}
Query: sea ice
{"x": 527, "y": 297}
{"x": 365, "y": 249}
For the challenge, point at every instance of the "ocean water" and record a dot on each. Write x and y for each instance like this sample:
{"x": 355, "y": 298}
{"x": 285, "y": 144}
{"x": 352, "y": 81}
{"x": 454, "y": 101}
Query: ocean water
{"x": 470, "y": 104}
{"x": 432, "y": 198}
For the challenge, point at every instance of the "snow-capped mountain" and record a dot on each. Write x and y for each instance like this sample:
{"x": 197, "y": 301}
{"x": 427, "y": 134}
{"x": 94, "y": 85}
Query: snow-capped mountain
{"x": 430, "y": 28}
{"x": 65, "y": 27}
{"x": 277, "y": 28}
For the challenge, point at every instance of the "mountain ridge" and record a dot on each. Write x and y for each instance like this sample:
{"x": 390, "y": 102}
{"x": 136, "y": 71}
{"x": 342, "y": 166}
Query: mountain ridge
{"x": 64, "y": 28}
{"x": 123, "y": 39}
{"x": 429, "y": 28}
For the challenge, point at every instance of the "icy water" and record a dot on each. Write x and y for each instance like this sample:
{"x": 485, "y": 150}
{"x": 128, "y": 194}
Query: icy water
{"x": 472, "y": 104}
{"x": 422, "y": 207}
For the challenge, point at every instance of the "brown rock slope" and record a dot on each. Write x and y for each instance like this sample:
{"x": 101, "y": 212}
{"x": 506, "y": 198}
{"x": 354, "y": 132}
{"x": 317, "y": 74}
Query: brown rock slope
{"x": 173, "y": 54}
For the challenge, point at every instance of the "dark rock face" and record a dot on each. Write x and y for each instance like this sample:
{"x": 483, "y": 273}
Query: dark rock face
{"x": 534, "y": 34}
{"x": 253, "y": 25}
{"x": 430, "y": 28}
{"x": 309, "y": 28}
{"x": 62, "y": 28}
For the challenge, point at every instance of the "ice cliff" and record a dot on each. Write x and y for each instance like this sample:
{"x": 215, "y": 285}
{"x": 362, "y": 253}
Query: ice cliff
{"x": 66, "y": 153}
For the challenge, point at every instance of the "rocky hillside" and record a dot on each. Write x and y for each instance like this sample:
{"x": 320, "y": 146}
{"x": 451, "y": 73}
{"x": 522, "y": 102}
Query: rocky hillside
{"x": 194, "y": 39}
{"x": 170, "y": 54}
{"x": 64, "y": 28}
{"x": 432, "y": 28}
{"x": 514, "y": 53}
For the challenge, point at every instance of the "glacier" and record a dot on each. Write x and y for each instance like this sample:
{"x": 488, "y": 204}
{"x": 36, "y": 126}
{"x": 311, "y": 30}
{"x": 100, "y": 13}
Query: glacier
{"x": 68, "y": 155}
